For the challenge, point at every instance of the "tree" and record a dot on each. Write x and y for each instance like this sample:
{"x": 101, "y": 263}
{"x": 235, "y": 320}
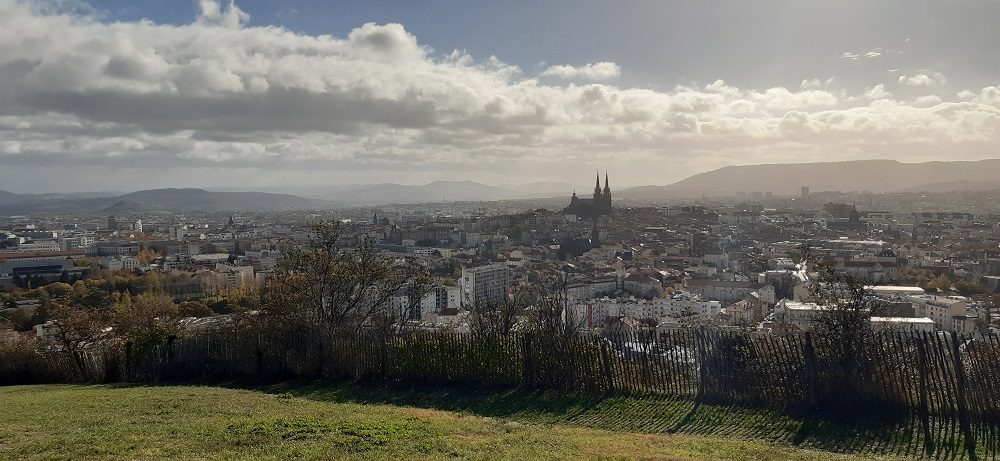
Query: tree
{"x": 939, "y": 283}
{"x": 549, "y": 310}
{"x": 984, "y": 322}
{"x": 145, "y": 320}
{"x": 847, "y": 304}
{"x": 969, "y": 288}
{"x": 498, "y": 318}
{"x": 339, "y": 288}
{"x": 194, "y": 309}
{"x": 844, "y": 320}
{"x": 74, "y": 328}
{"x": 686, "y": 316}
{"x": 405, "y": 308}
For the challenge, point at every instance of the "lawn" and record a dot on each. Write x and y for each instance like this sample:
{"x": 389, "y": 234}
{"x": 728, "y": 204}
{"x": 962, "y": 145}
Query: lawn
{"x": 75, "y": 422}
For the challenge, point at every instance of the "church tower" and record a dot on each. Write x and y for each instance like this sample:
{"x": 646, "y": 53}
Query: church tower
{"x": 588, "y": 208}
{"x": 606, "y": 202}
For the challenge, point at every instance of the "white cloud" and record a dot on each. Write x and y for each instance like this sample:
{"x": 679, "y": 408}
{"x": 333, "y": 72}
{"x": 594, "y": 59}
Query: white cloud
{"x": 214, "y": 12}
{"x": 218, "y": 93}
{"x": 870, "y": 54}
{"x": 923, "y": 79}
{"x": 595, "y": 71}
{"x": 877, "y": 92}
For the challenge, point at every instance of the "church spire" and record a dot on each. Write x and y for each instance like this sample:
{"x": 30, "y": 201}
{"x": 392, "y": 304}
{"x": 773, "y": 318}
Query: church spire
{"x": 607, "y": 188}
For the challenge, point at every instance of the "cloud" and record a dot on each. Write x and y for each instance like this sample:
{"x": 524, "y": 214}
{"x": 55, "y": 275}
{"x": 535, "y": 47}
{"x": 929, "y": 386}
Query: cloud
{"x": 221, "y": 95}
{"x": 596, "y": 71}
{"x": 923, "y": 79}
{"x": 870, "y": 54}
{"x": 214, "y": 12}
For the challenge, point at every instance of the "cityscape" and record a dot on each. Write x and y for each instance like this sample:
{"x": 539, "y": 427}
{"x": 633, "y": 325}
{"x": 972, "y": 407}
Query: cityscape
{"x": 535, "y": 230}
{"x": 728, "y": 261}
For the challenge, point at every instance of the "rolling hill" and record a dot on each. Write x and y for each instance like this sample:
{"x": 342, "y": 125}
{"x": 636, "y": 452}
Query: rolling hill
{"x": 861, "y": 175}
{"x": 163, "y": 200}
{"x": 7, "y": 197}
{"x": 439, "y": 191}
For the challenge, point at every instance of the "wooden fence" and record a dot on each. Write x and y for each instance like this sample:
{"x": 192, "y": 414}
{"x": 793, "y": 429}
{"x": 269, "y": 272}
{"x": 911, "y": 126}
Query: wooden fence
{"x": 930, "y": 375}
{"x": 939, "y": 373}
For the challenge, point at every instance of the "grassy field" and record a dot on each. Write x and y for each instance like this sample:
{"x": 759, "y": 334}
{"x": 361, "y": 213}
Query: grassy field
{"x": 55, "y": 422}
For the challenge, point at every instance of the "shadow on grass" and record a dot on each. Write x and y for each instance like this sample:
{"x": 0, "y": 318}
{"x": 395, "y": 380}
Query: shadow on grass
{"x": 865, "y": 431}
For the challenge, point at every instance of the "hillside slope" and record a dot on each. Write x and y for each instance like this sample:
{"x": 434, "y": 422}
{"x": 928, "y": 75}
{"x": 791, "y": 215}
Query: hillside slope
{"x": 205, "y": 423}
{"x": 164, "y": 200}
{"x": 861, "y": 175}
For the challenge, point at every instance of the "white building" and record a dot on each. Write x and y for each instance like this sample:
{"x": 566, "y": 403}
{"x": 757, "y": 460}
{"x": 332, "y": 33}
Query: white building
{"x": 594, "y": 312}
{"x": 894, "y": 292}
{"x": 34, "y": 247}
{"x": 801, "y": 315}
{"x": 589, "y": 289}
{"x": 227, "y": 277}
{"x": 78, "y": 242}
{"x": 441, "y": 297}
{"x": 947, "y": 312}
{"x": 118, "y": 263}
{"x": 484, "y": 285}
{"x": 917, "y": 324}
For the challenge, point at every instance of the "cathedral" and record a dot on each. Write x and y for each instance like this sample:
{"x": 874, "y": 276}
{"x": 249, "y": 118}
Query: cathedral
{"x": 592, "y": 208}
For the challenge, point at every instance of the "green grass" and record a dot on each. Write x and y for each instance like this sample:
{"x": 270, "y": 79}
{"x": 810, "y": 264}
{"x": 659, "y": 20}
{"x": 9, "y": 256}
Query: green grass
{"x": 71, "y": 422}
{"x": 871, "y": 433}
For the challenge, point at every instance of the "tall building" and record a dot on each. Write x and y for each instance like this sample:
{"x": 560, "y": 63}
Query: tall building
{"x": 485, "y": 285}
{"x": 592, "y": 208}
{"x": 804, "y": 192}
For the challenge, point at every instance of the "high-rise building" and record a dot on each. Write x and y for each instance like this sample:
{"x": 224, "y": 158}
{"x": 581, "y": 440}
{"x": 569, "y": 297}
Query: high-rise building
{"x": 804, "y": 192}
{"x": 485, "y": 285}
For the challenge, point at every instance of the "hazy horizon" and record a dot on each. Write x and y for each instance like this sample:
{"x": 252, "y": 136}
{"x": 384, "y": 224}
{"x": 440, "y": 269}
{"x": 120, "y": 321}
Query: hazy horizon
{"x": 115, "y": 95}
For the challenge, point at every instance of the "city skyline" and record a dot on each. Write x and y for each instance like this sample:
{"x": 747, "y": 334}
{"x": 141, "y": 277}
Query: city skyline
{"x": 246, "y": 94}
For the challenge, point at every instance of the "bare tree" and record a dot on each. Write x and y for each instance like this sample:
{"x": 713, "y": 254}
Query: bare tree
{"x": 844, "y": 321}
{"x": 847, "y": 304}
{"x": 984, "y": 321}
{"x": 551, "y": 310}
{"x": 342, "y": 288}
{"x": 686, "y": 316}
{"x": 500, "y": 317}
{"x": 405, "y": 308}
{"x": 73, "y": 329}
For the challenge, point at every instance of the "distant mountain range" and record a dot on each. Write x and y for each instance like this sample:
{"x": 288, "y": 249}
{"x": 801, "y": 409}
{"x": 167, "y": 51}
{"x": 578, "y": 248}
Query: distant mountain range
{"x": 316, "y": 198}
{"x": 782, "y": 179}
{"x": 441, "y": 191}
{"x": 156, "y": 200}
{"x": 861, "y": 175}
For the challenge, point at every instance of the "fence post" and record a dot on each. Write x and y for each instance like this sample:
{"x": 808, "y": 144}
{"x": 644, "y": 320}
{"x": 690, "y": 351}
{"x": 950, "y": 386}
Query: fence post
{"x": 606, "y": 365}
{"x": 528, "y": 370}
{"x": 811, "y": 372}
{"x": 699, "y": 339}
{"x": 260, "y": 357}
{"x": 171, "y": 358}
{"x": 923, "y": 410}
{"x": 127, "y": 372}
{"x": 963, "y": 412}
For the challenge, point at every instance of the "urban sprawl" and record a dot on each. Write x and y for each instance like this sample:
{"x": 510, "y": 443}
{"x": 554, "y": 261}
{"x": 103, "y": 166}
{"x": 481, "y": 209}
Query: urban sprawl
{"x": 734, "y": 262}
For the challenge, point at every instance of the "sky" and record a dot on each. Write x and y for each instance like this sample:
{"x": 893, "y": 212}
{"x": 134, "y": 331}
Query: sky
{"x": 138, "y": 94}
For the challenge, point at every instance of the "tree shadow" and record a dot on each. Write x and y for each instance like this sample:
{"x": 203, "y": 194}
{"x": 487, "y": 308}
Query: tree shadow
{"x": 866, "y": 431}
